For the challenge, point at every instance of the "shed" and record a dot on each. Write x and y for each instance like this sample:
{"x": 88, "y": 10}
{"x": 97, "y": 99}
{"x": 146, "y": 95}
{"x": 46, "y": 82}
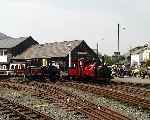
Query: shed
{"x": 58, "y": 52}
{"x": 11, "y": 47}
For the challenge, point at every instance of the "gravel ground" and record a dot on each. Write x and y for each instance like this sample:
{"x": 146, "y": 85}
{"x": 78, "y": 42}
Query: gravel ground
{"x": 133, "y": 112}
{"x": 134, "y": 80}
{"x": 52, "y": 109}
{"x": 4, "y": 117}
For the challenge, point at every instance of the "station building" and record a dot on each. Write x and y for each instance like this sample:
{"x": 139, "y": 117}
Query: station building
{"x": 57, "y": 52}
{"x": 11, "y": 47}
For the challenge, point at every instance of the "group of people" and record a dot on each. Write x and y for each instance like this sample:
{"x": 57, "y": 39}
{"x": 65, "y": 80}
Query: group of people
{"x": 123, "y": 71}
{"x": 120, "y": 71}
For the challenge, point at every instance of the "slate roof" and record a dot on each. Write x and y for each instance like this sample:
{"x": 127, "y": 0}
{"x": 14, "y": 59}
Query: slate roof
{"x": 11, "y": 42}
{"x": 48, "y": 50}
{"x": 137, "y": 50}
{"x": 3, "y": 36}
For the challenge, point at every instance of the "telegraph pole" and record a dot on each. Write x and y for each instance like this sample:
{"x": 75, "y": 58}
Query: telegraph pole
{"x": 118, "y": 53}
{"x": 118, "y": 38}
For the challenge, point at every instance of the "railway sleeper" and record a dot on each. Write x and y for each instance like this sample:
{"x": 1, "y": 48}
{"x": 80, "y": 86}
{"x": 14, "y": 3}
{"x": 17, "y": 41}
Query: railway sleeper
{"x": 6, "y": 111}
{"x": 89, "y": 109}
{"x": 13, "y": 115}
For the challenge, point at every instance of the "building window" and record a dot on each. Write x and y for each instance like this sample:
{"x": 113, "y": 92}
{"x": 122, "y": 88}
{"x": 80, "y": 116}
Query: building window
{"x": 4, "y": 67}
{"x": 1, "y": 52}
{"x": 5, "y": 52}
{"x": 12, "y": 67}
{"x": 0, "y": 67}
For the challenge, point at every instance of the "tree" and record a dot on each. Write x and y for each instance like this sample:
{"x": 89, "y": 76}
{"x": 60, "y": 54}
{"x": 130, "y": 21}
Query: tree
{"x": 113, "y": 59}
{"x": 147, "y": 63}
{"x": 108, "y": 59}
{"x": 118, "y": 59}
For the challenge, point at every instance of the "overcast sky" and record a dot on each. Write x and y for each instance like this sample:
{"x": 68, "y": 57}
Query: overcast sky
{"x": 90, "y": 20}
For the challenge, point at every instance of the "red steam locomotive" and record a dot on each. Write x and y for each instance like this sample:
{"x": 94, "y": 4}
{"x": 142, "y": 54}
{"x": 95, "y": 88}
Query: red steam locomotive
{"x": 86, "y": 70}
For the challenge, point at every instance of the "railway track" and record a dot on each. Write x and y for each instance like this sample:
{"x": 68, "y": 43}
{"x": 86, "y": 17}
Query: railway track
{"x": 68, "y": 100}
{"x": 89, "y": 107}
{"x": 121, "y": 93}
{"x": 16, "y": 111}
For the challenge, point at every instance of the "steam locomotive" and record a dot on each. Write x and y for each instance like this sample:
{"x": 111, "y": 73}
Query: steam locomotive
{"x": 82, "y": 69}
{"x": 86, "y": 70}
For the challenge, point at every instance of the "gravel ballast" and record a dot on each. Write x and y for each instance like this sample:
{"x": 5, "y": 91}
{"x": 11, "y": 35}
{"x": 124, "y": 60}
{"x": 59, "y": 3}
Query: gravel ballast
{"x": 52, "y": 109}
{"x": 133, "y": 112}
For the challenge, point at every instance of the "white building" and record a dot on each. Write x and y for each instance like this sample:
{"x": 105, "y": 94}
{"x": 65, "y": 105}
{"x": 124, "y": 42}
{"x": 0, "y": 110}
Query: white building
{"x": 10, "y": 47}
{"x": 140, "y": 55}
{"x": 146, "y": 55}
{"x": 3, "y": 55}
{"x": 137, "y": 55}
{"x": 136, "y": 59}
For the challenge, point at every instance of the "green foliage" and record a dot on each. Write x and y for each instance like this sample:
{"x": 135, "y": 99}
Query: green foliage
{"x": 108, "y": 59}
{"x": 114, "y": 59}
{"x": 147, "y": 63}
{"x": 118, "y": 59}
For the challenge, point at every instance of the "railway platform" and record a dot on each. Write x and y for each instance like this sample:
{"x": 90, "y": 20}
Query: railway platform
{"x": 132, "y": 80}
